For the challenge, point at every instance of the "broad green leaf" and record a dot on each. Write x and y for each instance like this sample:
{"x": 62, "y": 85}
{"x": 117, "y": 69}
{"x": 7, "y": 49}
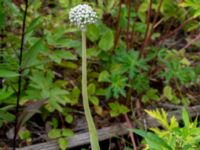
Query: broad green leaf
{"x": 93, "y": 32}
{"x": 54, "y": 133}
{"x": 74, "y": 95}
{"x": 69, "y": 118}
{"x": 91, "y": 89}
{"x": 63, "y": 143}
{"x": 117, "y": 109}
{"x": 67, "y": 132}
{"x": 4, "y": 73}
{"x": 24, "y": 134}
{"x": 153, "y": 139}
{"x": 94, "y": 100}
{"x": 107, "y": 40}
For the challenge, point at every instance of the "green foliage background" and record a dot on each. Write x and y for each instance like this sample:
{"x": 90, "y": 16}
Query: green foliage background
{"x": 119, "y": 73}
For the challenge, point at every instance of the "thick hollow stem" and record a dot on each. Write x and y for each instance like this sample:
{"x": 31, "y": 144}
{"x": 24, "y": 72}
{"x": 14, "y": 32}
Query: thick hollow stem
{"x": 92, "y": 130}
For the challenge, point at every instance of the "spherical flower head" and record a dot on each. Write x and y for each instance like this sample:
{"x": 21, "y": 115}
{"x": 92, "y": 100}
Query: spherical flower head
{"x": 82, "y": 15}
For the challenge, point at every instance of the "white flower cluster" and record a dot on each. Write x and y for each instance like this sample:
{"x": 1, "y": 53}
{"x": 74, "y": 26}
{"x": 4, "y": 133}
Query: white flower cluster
{"x": 82, "y": 15}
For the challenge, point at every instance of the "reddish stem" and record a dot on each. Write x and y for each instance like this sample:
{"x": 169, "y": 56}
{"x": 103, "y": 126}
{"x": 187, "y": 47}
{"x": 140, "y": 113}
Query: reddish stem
{"x": 128, "y": 4}
{"x": 175, "y": 31}
{"x": 148, "y": 41}
{"x": 118, "y": 30}
{"x": 130, "y": 133}
{"x": 191, "y": 42}
{"x": 148, "y": 26}
{"x": 134, "y": 23}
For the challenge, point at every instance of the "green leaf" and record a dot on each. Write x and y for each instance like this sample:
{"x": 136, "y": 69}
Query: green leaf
{"x": 54, "y": 133}
{"x": 69, "y": 118}
{"x": 4, "y": 73}
{"x": 35, "y": 23}
{"x": 91, "y": 89}
{"x": 24, "y": 134}
{"x": 67, "y": 132}
{"x": 5, "y": 117}
{"x": 93, "y": 32}
{"x": 118, "y": 85}
{"x": 152, "y": 94}
{"x": 117, "y": 109}
{"x": 107, "y": 40}
{"x": 185, "y": 116}
{"x": 63, "y": 143}
{"x": 94, "y": 100}
{"x": 156, "y": 142}
{"x": 104, "y": 76}
{"x": 185, "y": 62}
{"x": 5, "y": 94}
{"x": 31, "y": 54}
{"x": 58, "y": 55}
{"x": 168, "y": 92}
{"x": 75, "y": 94}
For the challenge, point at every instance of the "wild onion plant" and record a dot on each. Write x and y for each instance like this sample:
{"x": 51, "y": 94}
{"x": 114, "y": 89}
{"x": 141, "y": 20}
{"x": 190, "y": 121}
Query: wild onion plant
{"x": 81, "y": 16}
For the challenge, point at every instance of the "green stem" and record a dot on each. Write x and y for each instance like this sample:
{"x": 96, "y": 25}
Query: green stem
{"x": 92, "y": 130}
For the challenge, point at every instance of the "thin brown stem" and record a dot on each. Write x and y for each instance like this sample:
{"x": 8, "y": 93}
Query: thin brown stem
{"x": 148, "y": 41}
{"x": 130, "y": 133}
{"x": 128, "y": 4}
{"x": 157, "y": 12}
{"x": 118, "y": 29}
{"x": 134, "y": 23}
{"x": 191, "y": 42}
{"x": 148, "y": 27}
{"x": 175, "y": 30}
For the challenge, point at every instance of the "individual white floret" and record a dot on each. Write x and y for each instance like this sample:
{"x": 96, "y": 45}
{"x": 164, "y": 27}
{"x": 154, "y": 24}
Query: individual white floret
{"x": 82, "y": 15}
